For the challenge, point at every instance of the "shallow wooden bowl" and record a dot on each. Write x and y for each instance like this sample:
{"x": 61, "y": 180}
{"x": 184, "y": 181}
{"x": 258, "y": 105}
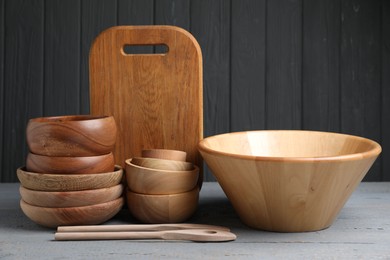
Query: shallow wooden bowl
{"x": 70, "y": 165}
{"x": 85, "y": 215}
{"x": 288, "y": 181}
{"x": 165, "y": 154}
{"x": 61, "y": 199}
{"x": 151, "y": 181}
{"x": 79, "y": 135}
{"x": 68, "y": 182}
{"x": 162, "y": 164}
{"x": 171, "y": 208}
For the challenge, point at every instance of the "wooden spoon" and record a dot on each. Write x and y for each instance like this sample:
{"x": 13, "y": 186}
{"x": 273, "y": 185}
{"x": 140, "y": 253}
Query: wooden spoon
{"x": 138, "y": 227}
{"x": 198, "y": 235}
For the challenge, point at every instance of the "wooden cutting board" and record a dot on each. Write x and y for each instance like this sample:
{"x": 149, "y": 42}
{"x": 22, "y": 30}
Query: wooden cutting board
{"x": 155, "y": 98}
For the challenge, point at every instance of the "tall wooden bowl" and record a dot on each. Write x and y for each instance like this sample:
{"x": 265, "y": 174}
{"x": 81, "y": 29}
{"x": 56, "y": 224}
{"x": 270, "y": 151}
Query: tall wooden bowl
{"x": 86, "y": 215}
{"x": 288, "y": 181}
{"x": 170, "y": 208}
{"x": 70, "y": 165}
{"x": 152, "y": 181}
{"x": 79, "y": 135}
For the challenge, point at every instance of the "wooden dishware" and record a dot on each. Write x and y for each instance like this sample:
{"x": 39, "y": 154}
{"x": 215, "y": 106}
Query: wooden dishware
{"x": 78, "y": 135}
{"x": 68, "y": 182}
{"x": 62, "y": 199}
{"x": 166, "y": 154}
{"x": 85, "y": 215}
{"x": 71, "y": 165}
{"x": 157, "y": 98}
{"x": 198, "y": 235}
{"x": 153, "y": 181}
{"x": 171, "y": 208}
{"x": 288, "y": 181}
{"x": 162, "y": 164}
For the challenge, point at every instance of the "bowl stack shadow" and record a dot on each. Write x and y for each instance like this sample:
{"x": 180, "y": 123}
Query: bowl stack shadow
{"x": 162, "y": 186}
{"x": 70, "y": 177}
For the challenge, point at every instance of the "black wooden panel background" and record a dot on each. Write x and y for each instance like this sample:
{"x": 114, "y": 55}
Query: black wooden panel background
{"x": 268, "y": 64}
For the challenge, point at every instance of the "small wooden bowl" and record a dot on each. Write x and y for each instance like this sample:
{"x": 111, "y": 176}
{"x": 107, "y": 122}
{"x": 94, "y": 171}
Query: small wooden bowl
{"x": 162, "y": 164}
{"x": 288, "y": 181}
{"x": 165, "y": 154}
{"x": 80, "y": 135}
{"x": 151, "y": 181}
{"x": 62, "y": 199}
{"x": 71, "y": 165}
{"x": 85, "y": 215}
{"x": 171, "y": 208}
{"x": 68, "y": 182}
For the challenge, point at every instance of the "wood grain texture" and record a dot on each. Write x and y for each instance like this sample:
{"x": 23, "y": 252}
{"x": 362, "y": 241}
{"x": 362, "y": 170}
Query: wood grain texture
{"x": 155, "y": 99}
{"x": 385, "y": 109}
{"x": 96, "y": 16}
{"x": 23, "y": 78}
{"x": 173, "y": 12}
{"x": 68, "y": 182}
{"x": 321, "y": 65}
{"x": 248, "y": 65}
{"x": 284, "y": 57}
{"x": 288, "y": 181}
{"x": 360, "y": 67}
{"x": 62, "y": 57}
{"x": 85, "y": 215}
{"x": 171, "y": 208}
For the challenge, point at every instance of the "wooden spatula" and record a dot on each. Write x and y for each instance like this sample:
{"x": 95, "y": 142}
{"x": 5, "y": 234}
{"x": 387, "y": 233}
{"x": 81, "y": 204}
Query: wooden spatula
{"x": 199, "y": 235}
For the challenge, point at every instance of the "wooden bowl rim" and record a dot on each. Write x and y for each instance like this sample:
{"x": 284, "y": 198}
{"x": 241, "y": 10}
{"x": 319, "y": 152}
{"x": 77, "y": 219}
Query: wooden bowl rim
{"x": 158, "y": 171}
{"x": 74, "y": 192}
{"x": 172, "y": 195}
{"x": 71, "y": 157}
{"x": 375, "y": 151}
{"x": 88, "y": 207}
{"x": 69, "y": 118}
{"x": 22, "y": 169}
{"x": 163, "y": 160}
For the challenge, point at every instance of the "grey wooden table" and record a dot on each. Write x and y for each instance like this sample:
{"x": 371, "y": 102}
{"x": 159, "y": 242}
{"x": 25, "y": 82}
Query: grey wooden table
{"x": 361, "y": 231}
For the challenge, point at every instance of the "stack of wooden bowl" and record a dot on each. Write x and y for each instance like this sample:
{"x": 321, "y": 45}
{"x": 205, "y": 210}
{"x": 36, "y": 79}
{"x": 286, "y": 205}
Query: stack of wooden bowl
{"x": 162, "y": 186}
{"x": 70, "y": 176}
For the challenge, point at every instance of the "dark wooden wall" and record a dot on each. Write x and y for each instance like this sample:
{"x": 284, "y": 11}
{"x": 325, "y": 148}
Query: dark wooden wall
{"x": 276, "y": 64}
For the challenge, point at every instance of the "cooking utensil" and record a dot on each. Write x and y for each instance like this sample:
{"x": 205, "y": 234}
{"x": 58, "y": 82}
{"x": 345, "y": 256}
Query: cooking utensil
{"x": 199, "y": 235}
{"x": 138, "y": 227}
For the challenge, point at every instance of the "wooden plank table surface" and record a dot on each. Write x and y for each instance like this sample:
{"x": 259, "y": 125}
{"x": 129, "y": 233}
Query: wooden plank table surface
{"x": 361, "y": 231}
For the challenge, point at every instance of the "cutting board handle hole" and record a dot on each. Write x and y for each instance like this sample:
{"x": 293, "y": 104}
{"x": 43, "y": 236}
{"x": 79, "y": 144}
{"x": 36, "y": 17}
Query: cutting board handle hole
{"x": 130, "y": 49}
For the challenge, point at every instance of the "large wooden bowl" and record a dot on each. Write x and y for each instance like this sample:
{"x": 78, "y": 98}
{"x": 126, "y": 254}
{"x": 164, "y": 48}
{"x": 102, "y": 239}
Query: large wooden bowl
{"x": 152, "y": 181}
{"x": 61, "y": 199}
{"x": 86, "y": 215}
{"x": 70, "y": 165}
{"x": 68, "y": 182}
{"x": 171, "y": 208}
{"x": 288, "y": 181}
{"x": 79, "y": 135}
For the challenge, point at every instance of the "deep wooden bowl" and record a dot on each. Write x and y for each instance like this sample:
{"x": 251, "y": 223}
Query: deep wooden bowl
{"x": 288, "y": 181}
{"x": 68, "y": 182}
{"x": 62, "y": 199}
{"x": 85, "y": 215}
{"x": 79, "y": 135}
{"x": 71, "y": 165}
{"x": 171, "y": 208}
{"x": 162, "y": 164}
{"x": 151, "y": 181}
{"x": 165, "y": 154}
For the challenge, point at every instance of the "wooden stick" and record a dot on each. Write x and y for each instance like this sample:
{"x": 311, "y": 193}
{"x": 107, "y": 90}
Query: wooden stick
{"x": 137, "y": 227}
{"x": 201, "y": 235}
